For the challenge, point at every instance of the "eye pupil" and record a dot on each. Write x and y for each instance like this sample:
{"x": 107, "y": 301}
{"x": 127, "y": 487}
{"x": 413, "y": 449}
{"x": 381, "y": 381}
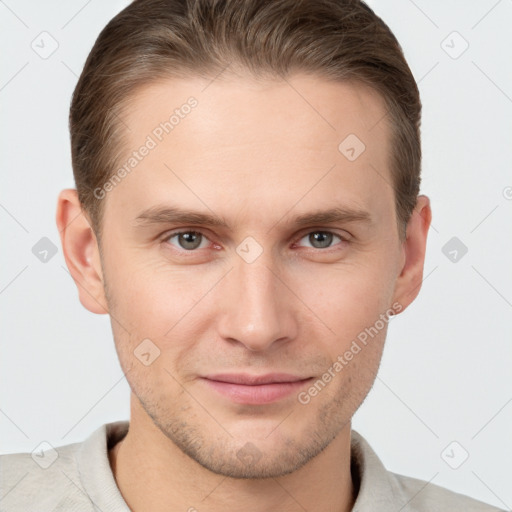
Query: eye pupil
{"x": 322, "y": 238}
{"x": 189, "y": 240}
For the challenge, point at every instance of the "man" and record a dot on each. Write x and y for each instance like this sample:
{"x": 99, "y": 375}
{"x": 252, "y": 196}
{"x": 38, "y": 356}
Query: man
{"x": 246, "y": 212}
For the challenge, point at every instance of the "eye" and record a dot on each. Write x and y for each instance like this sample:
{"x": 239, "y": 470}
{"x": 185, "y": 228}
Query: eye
{"x": 188, "y": 240}
{"x": 321, "y": 239}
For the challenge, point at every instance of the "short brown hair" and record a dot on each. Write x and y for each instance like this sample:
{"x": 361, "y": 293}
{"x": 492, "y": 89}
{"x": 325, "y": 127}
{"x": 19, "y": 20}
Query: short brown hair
{"x": 341, "y": 40}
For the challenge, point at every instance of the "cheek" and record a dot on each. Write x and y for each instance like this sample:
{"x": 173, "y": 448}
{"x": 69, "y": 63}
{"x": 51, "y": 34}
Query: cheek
{"x": 152, "y": 298}
{"x": 348, "y": 299}
{"x": 162, "y": 305}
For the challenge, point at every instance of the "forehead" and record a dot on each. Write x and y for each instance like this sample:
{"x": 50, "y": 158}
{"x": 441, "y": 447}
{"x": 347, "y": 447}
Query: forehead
{"x": 258, "y": 142}
{"x": 303, "y": 105}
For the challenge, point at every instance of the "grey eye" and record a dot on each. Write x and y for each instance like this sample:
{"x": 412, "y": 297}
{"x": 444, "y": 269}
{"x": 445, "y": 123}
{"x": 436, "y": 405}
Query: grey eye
{"x": 188, "y": 240}
{"x": 320, "y": 239}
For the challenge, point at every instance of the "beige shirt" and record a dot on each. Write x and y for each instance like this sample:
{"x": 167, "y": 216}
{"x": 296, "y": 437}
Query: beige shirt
{"x": 77, "y": 478}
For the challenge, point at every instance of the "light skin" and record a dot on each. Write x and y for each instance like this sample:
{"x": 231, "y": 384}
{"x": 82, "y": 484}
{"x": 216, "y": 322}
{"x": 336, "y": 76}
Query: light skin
{"x": 258, "y": 156}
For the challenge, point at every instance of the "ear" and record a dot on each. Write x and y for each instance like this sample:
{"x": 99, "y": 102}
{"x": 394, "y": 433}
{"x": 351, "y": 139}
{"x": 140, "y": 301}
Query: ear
{"x": 408, "y": 283}
{"x": 81, "y": 251}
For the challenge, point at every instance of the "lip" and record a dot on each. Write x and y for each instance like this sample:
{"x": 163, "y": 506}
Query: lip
{"x": 244, "y": 388}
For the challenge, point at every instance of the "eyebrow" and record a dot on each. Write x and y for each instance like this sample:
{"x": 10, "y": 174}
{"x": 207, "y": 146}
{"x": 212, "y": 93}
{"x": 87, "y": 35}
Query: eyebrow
{"x": 170, "y": 215}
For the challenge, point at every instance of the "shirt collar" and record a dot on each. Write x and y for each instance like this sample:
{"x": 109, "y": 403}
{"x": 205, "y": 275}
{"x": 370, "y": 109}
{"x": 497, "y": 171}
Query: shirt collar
{"x": 376, "y": 489}
{"x": 95, "y": 471}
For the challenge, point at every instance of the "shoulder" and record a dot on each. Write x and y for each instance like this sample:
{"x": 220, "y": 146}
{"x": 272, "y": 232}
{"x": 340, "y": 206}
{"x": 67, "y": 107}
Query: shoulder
{"x": 383, "y": 490}
{"x": 424, "y": 496}
{"x": 47, "y": 477}
{"x": 75, "y": 477}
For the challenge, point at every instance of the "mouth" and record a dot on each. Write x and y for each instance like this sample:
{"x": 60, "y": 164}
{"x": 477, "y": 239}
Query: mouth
{"x": 244, "y": 388}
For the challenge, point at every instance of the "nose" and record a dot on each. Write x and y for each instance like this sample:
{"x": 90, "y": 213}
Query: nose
{"x": 257, "y": 308}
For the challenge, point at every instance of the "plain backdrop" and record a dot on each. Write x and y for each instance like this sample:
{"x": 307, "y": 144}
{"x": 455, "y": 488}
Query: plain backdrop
{"x": 444, "y": 390}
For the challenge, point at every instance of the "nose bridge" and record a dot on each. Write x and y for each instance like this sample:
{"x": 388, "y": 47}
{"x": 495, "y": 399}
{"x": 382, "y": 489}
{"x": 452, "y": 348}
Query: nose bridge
{"x": 257, "y": 313}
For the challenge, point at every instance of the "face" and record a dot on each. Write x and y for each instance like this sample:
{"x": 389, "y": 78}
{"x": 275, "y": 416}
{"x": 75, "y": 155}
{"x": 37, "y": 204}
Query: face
{"x": 248, "y": 253}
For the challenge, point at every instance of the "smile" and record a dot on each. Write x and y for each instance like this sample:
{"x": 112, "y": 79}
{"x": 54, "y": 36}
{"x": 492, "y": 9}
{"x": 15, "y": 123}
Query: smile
{"x": 253, "y": 389}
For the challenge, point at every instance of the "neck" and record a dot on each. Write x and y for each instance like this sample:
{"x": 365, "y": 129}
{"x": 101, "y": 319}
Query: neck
{"x": 153, "y": 474}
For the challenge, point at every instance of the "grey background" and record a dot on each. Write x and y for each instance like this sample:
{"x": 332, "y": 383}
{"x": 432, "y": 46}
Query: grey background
{"x": 445, "y": 375}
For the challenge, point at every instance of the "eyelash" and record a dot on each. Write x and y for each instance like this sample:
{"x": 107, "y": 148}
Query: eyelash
{"x": 167, "y": 237}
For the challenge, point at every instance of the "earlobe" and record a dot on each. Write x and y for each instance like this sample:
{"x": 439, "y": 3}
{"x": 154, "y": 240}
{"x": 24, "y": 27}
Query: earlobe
{"x": 81, "y": 251}
{"x": 409, "y": 280}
